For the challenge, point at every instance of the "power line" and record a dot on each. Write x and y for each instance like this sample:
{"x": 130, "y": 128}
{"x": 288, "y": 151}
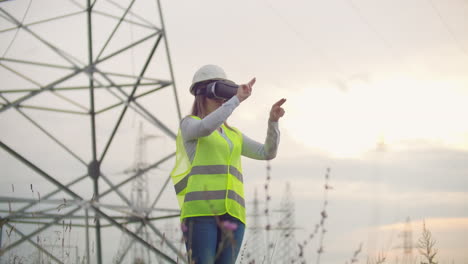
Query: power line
{"x": 447, "y": 27}
{"x": 374, "y": 30}
{"x": 332, "y": 63}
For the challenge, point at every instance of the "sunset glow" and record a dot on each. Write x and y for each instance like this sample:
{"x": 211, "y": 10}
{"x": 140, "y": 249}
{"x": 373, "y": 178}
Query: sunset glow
{"x": 395, "y": 112}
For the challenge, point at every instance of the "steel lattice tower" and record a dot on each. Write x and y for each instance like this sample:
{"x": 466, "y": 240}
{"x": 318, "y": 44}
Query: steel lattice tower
{"x": 74, "y": 74}
{"x": 407, "y": 245}
{"x": 139, "y": 198}
{"x": 407, "y": 242}
{"x": 286, "y": 245}
{"x": 255, "y": 246}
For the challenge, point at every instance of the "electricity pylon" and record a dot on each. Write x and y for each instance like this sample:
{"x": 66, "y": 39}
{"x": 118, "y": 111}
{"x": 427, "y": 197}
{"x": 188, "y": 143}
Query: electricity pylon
{"x": 139, "y": 199}
{"x": 407, "y": 245}
{"x": 71, "y": 74}
{"x": 286, "y": 244}
{"x": 255, "y": 251}
{"x": 407, "y": 242}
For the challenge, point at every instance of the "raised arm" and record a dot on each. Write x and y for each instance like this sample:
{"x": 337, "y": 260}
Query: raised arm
{"x": 267, "y": 151}
{"x": 194, "y": 128}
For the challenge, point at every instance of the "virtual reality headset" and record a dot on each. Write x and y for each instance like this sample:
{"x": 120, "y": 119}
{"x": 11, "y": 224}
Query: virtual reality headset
{"x": 219, "y": 89}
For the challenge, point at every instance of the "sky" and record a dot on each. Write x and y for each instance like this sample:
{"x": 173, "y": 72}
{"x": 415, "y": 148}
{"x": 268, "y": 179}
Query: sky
{"x": 376, "y": 91}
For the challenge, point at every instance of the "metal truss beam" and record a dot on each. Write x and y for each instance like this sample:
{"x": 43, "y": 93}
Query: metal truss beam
{"x": 138, "y": 174}
{"x": 142, "y": 73}
{"x": 73, "y": 88}
{"x": 37, "y": 231}
{"x": 76, "y": 196}
{"x": 43, "y": 108}
{"x": 69, "y": 151}
{"x": 38, "y": 63}
{"x": 93, "y": 173}
{"x": 152, "y": 27}
{"x": 143, "y": 224}
{"x": 43, "y": 21}
{"x": 38, "y": 170}
{"x": 6, "y": 199}
{"x": 160, "y": 192}
{"x": 168, "y": 54}
{"x": 120, "y": 258}
{"x": 128, "y": 219}
{"x": 167, "y": 242}
{"x": 90, "y": 68}
{"x": 139, "y": 239}
{"x": 133, "y": 102}
{"x": 115, "y": 29}
{"x": 24, "y": 237}
{"x": 128, "y": 47}
{"x": 34, "y": 202}
{"x": 133, "y": 14}
{"x": 146, "y": 114}
{"x": 57, "y": 50}
{"x": 117, "y": 191}
{"x": 20, "y": 75}
{"x": 34, "y": 93}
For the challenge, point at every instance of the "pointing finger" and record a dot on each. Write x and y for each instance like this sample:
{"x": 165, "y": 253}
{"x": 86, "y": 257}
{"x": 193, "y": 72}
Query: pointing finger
{"x": 252, "y": 82}
{"x": 280, "y": 102}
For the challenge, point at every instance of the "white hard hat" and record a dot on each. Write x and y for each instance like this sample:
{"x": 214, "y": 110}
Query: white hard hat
{"x": 207, "y": 72}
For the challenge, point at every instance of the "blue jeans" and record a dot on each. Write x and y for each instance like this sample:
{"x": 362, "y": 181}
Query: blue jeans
{"x": 213, "y": 239}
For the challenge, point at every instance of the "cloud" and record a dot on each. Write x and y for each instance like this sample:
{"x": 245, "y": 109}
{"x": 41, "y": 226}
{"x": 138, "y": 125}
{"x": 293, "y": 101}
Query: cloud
{"x": 434, "y": 224}
{"x": 312, "y": 189}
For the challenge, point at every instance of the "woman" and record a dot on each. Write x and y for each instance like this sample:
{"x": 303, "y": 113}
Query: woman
{"x": 208, "y": 174}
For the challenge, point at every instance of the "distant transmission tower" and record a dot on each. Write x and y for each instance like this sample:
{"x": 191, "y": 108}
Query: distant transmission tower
{"x": 286, "y": 246}
{"x": 139, "y": 199}
{"x": 407, "y": 247}
{"x": 407, "y": 242}
{"x": 139, "y": 196}
{"x": 255, "y": 245}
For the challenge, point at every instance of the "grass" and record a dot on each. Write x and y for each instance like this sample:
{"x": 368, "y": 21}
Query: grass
{"x": 426, "y": 245}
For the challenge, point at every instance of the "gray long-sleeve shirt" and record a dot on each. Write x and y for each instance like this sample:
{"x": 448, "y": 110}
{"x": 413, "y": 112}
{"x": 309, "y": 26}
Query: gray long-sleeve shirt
{"x": 192, "y": 129}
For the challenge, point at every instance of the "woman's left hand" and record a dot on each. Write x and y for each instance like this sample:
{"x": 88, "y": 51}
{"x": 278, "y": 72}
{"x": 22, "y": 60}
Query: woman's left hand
{"x": 277, "y": 111}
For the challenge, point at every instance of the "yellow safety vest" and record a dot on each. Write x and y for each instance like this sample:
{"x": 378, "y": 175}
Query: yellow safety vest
{"x": 212, "y": 183}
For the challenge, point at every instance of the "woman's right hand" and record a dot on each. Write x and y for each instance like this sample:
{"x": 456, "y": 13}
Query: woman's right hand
{"x": 244, "y": 90}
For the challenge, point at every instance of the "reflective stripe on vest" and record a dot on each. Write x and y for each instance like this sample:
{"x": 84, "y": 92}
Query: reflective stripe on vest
{"x": 214, "y": 195}
{"x": 208, "y": 169}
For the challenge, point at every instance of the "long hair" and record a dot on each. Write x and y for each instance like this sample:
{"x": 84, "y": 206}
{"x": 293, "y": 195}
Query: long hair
{"x": 199, "y": 104}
